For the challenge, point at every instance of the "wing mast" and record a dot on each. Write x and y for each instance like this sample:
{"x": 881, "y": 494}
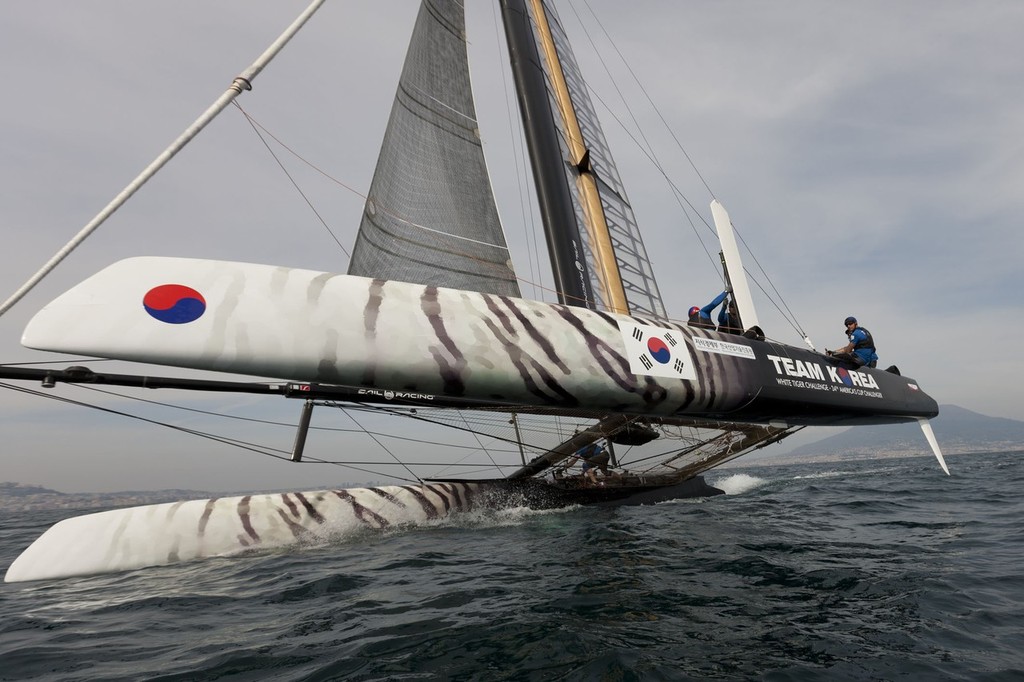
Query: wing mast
{"x": 601, "y": 250}
{"x": 568, "y": 264}
{"x": 607, "y": 269}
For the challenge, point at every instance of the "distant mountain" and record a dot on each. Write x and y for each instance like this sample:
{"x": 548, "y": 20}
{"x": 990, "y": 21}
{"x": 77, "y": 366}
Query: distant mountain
{"x": 21, "y": 497}
{"x": 14, "y": 489}
{"x": 958, "y": 431}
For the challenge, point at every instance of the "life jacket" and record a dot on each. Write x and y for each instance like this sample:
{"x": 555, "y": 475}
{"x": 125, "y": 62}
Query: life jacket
{"x": 729, "y": 319}
{"x": 697, "y": 321}
{"x": 730, "y": 327}
{"x": 867, "y": 342}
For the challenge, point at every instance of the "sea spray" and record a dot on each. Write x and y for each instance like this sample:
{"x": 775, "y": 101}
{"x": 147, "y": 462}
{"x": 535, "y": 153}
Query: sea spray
{"x": 737, "y": 484}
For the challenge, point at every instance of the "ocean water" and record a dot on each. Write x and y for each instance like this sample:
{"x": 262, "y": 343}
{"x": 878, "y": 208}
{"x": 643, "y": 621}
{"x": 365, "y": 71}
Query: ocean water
{"x": 877, "y": 570}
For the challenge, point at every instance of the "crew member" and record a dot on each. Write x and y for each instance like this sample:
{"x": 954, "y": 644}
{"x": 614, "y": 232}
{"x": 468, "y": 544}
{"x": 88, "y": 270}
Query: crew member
{"x": 860, "y": 351}
{"x": 729, "y": 318}
{"x": 594, "y": 457}
{"x": 701, "y": 317}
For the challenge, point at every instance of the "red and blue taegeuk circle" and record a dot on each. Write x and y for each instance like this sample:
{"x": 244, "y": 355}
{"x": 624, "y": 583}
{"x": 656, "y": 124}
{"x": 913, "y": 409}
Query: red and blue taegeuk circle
{"x": 174, "y": 303}
{"x": 658, "y": 350}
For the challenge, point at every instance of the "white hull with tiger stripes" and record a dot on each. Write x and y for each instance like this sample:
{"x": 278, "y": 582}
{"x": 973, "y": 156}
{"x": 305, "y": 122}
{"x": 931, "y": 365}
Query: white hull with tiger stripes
{"x": 310, "y": 326}
{"x": 160, "y": 534}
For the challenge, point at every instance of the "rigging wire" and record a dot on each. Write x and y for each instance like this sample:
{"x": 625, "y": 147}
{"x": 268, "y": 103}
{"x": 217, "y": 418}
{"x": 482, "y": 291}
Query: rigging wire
{"x": 476, "y": 436}
{"x": 382, "y": 446}
{"x": 240, "y": 84}
{"x": 654, "y": 106}
{"x": 268, "y": 422}
{"x": 646, "y": 148}
{"x": 428, "y": 420}
{"x": 220, "y": 439}
{"x": 538, "y": 284}
{"x": 648, "y": 151}
{"x": 516, "y": 137}
{"x": 251, "y": 447}
{"x": 615, "y": 84}
{"x": 256, "y": 129}
{"x": 441, "y": 233}
{"x": 695, "y": 439}
{"x": 790, "y": 317}
{"x": 482, "y": 419}
{"x": 677, "y": 193}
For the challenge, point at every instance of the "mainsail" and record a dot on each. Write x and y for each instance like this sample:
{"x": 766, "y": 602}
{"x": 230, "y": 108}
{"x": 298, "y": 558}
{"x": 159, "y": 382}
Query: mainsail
{"x": 430, "y": 216}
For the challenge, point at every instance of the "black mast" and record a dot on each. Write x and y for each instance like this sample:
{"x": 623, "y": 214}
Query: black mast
{"x": 568, "y": 261}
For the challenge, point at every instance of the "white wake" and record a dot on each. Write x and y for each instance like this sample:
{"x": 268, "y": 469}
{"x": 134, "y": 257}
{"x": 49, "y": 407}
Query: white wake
{"x": 737, "y": 484}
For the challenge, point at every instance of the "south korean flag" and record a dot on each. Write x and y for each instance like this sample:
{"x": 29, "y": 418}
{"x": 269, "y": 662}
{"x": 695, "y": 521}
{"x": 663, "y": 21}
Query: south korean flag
{"x": 657, "y": 351}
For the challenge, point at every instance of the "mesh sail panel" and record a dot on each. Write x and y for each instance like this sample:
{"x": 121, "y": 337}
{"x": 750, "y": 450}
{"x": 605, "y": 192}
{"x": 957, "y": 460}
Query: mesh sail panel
{"x": 430, "y": 216}
{"x": 641, "y": 289}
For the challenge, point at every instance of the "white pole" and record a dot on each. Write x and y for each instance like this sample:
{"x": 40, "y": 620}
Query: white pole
{"x": 737, "y": 275}
{"x": 242, "y": 82}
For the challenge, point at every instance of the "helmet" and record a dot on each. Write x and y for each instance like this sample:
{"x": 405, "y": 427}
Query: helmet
{"x": 850, "y": 320}
{"x": 694, "y": 310}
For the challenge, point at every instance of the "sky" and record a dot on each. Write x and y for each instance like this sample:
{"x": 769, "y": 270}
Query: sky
{"x": 871, "y": 155}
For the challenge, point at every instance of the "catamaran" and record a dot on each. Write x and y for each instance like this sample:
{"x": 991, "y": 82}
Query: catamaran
{"x": 429, "y": 322}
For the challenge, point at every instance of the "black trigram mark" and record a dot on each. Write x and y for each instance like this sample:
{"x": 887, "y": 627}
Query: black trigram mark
{"x": 671, "y": 341}
{"x": 637, "y": 334}
{"x": 679, "y": 366}
{"x": 646, "y": 361}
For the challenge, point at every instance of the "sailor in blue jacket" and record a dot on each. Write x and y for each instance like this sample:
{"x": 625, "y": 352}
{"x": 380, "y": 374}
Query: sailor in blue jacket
{"x": 701, "y": 317}
{"x": 860, "y": 351}
{"x": 594, "y": 457}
